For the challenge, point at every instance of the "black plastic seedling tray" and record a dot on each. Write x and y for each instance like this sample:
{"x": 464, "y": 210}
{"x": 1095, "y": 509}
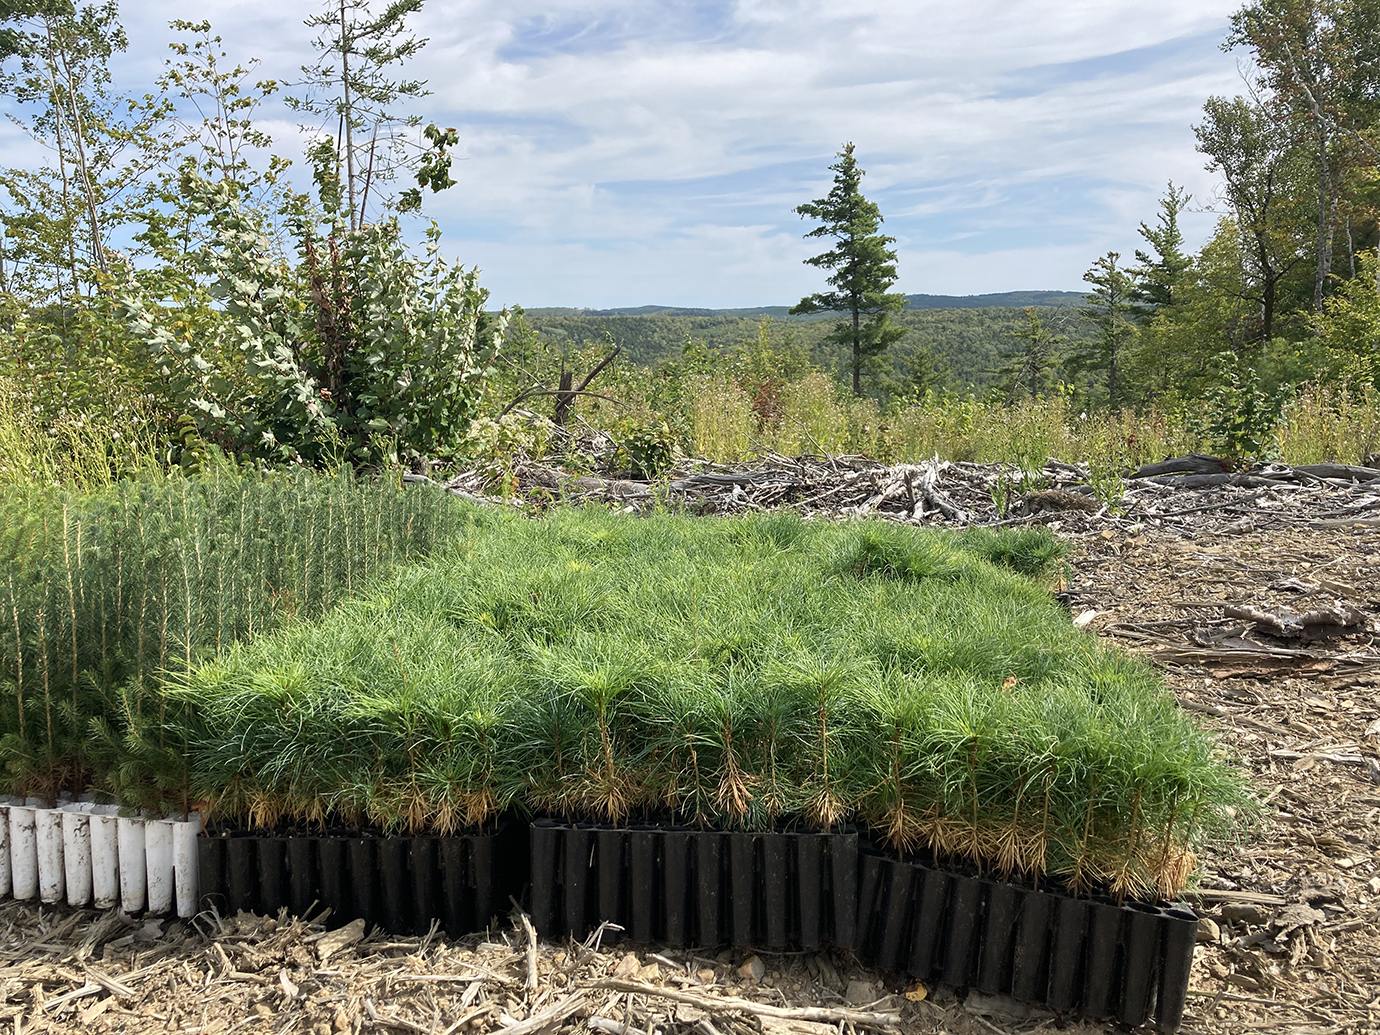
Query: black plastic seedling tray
{"x": 400, "y": 883}
{"x": 1128, "y": 962}
{"x": 684, "y": 886}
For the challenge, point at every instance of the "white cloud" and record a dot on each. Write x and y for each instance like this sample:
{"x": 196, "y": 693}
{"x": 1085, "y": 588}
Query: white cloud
{"x": 620, "y": 152}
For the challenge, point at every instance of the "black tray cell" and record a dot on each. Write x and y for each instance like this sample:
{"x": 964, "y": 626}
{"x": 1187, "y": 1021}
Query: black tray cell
{"x": 643, "y": 862}
{"x": 303, "y": 891}
{"x": 612, "y": 875}
{"x": 871, "y": 902}
{"x": 843, "y": 863}
{"x": 896, "y": 884}
{"x": 210, "y": 859}
{"x": 391, "y": 860}
{"x": 1030, "y": 961}
{"x": 928, "y": 930}
{"x": 424, "y": 874}
{"x": 810, "y": 885}
{"x": 458, "y": 911}
{"x": 547, "y": 876}
{"x": 332, "y": 860}
{"x": 483, "y": 880}
{"x": 709, "y": 881}
{"x": 359, "y": 861}
{"x": 675, "y": 885}
{"x": 579, "y": 849}
{"x": 1067, "y": 951}
{"x": 776, "y": 882}
{"x": 1101, "y": 994}
{"x": 1004, "y": 903}
{"x": 742, "y": 872}
{"x": 1142, "y": 950}
{"x": 965, "y": 930}
{"x": 241, "y": 878}
{"x": 1180, "y": 934}
{"x": 272, "y": 873}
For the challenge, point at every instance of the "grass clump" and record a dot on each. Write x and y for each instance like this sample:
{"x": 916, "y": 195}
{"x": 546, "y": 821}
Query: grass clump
{"x": 752, "y": 673}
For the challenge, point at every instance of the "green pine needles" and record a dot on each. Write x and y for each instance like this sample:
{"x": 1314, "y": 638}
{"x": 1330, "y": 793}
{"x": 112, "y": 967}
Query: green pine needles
{"x": 103, "y": 593}
{"x": 757, "y": 673}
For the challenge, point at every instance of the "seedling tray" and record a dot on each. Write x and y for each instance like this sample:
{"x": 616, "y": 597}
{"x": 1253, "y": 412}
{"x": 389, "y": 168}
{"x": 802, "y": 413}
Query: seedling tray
{"x": 686, "y": 886}
{"x": 1129, "y": 962}
{"x": 400, "y": 883}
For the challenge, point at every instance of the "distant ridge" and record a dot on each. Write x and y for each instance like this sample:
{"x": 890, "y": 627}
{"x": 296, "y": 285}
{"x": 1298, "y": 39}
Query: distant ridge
{"x": 998, "y": 300}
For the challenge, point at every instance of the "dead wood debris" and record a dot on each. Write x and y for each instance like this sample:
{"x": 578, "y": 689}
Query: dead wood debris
{"x": 1189, "y": 496}
{"x": 1291, "y": 935}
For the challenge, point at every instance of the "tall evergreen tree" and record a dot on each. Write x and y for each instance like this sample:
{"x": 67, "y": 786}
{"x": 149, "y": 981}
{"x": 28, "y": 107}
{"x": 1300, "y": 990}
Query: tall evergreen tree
{"x": 1159, "y": 278}
{"x": 1108, "y": 308}
{"x": 1029, "y": 360}
{"x": 864, "y": 268}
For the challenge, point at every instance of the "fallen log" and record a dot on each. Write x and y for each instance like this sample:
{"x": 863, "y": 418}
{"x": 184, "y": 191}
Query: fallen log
{"x": 1194, "y": 463}
{"x": 1324, "y": 623}
{"x": 1346, "y": 472}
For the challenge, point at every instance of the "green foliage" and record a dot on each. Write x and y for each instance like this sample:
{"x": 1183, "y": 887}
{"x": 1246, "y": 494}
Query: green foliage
{"x": 348, "y": 87}
{"x": 1029, "y": 361}
{"x": 104, "y": 591}
{"x": 1108, "y": 309}
{"x": 746, "y": 673}
{"x": 61, "y": 216}
{"x": 864, "y": 268}
{"x": 1238, "y": 416}
{"x": 366, "y": 353}
{"x": 644, "y": 447}
{"x": 1349, "y": 324}
{"x": 1265, "y": 182}
{"x": 1159, "y": 278}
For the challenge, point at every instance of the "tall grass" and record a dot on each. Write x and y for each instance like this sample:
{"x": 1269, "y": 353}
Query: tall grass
{"x": 1324, "y": 424}
{"x": 78, "y": 452}
{"x": 103, "y": 592}
{"x": 746, "y": 673}
{"x": 814, "y": 415}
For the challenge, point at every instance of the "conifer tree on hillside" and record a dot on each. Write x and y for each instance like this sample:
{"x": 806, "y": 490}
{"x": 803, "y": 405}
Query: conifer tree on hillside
{"x": 864, "y": 268}
{"x": 1108, "y": 308}
{"x": 1159, "y": 278}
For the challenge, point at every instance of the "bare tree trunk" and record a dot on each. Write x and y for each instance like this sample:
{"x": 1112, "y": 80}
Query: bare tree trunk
{"x": 857, "y": 349}
{"x": 348, "y": 115}
{"x": 1111, "y": 376}
{"x": 83, "y": 167}
{"x": 368, "y": 176}
{"x": 1324, "y": 245}
{"x": 1350, "y": 248}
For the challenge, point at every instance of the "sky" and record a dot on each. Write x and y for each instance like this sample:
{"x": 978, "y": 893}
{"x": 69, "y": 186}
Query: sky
{"x": 631, "y": 152}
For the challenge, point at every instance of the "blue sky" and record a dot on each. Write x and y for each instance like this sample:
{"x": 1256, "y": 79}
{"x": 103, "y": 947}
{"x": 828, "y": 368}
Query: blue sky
{"x": 626, "y": 152}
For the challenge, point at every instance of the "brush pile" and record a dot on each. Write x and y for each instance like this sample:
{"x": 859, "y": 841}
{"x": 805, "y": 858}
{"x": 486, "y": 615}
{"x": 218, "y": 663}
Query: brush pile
{"x": 760, "y": 673}
{"x": 1191, "y": 494}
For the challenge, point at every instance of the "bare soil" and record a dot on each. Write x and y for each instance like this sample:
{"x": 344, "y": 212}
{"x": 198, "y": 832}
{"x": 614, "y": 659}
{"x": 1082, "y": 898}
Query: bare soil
{"x": 1291, "y": 942}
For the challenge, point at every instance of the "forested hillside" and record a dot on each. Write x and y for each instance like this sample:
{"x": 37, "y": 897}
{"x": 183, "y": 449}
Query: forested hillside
{"x": 963, "y": 346}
